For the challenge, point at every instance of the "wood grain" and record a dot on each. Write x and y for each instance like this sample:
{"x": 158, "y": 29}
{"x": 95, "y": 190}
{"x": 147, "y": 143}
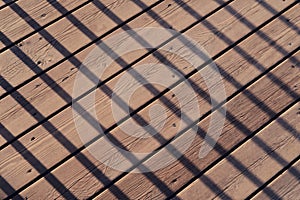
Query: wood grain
{"x": 286, "y": 186}
{"x": 243, "y": 117}
{"x": 41, "y": 12}
{"x": 65, "y": 115}
{"x": 256, "y": 44}
{"x": 62, "y": 38}
{"x": 3, "y": 4}
{"x": 281, "y": 146}
{"x": 37, "y": 92}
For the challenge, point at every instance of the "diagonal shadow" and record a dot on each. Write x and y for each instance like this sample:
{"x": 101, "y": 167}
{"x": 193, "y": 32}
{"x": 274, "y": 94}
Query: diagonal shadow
{"x": 8, "y": 3}
{"x": 266, "y": 189}
{"x": 158, "y": 55}
{"x": 8, "y": 189}
{"x": 64, "y": 13}
{"x": 260, "y": 66}
{"x": 38, "y": 165}
{"x": 74, "y": 61}
{"x": 59, "y": 47}
{"x": 226, "y": 154}
{"x": 60, "y": 137}
{"x": 288, "y": 90}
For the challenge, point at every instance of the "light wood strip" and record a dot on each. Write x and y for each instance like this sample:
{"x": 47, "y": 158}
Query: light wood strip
{"x": 286, "y": 186}
{"x": 262, "y": 162}
{"x": 42, "y": 12}
{"x": 88, "y": 183}
{"x": 62, "y": 38}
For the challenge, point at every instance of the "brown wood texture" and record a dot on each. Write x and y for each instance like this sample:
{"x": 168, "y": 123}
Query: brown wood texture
{"x": 38, "y": 12}
{"x": 263, "y": 162}
{"x": 56, "y": 42}
{"x": 41, "y": 153}
{"x": 37, "y": 92}
{"x": 286, "y": 186}
{"x": 242, "y": 109}
{"x": 34, "y": 139}
{"x": 242, "y": 77}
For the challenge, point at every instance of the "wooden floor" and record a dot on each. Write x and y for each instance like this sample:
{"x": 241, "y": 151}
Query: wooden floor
{"x": 254, "y": 44}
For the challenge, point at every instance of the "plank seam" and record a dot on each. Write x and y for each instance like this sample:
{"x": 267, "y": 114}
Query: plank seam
{"x": 8, "y": 4}
{"x": 100, "y": 84}
{"x": 37, "y": 75}
{"x": 44, "y": 26}
{"x": 234, "y": 148}
{"x": 205, "y": 116}
{"x": 248, "y": 137}
{"x": 279, "y": 173}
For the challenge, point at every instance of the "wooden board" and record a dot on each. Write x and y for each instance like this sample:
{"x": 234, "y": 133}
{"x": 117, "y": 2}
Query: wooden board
{"x": 286, "y": 186}
{"x": 3, "y": 4}
{"x": 68, "y": 116}
{"x": 39, "y": 13}
{"x": 252, "y": 164}
{"x": 37, "y": 92}
{"x": 61, "y": 39}
{"x": 283, "y": 35}
{"x": 243, "y": 117}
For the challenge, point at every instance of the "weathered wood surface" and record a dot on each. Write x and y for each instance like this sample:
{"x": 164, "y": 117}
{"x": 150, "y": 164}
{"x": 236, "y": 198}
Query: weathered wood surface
{"x": 5, "y": 3}
{"x": 258, "y": 160}
{"x": 249, "y": 72}
{"x": 244, "y": 117}
{"x": 35, "y": 14}
{"x": 61, "y": 39}
{"x": 285, "y": 186}
{"x": 41, "y": 162}
{"x": 37, "y": 92}
{"x": 62, "y": 119}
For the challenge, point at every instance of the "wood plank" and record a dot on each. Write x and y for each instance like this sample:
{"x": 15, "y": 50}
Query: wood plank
{"x": 286, "y": 186}
{"x": 42, "y": 12}
{"x": 62, "y": 38}
{"x": 281, "y": 146}
{"x": 243, "y": 117}
{"x": 68, "y": 115}
{"x": 59, "y": 74}
{"x": 3, "y": 4}
{"x": 37, "y": 92}
{"x": 90, "y": 182}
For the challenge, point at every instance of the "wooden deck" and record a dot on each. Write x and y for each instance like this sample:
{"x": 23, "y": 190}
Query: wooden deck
{"x": 255, "y": 46}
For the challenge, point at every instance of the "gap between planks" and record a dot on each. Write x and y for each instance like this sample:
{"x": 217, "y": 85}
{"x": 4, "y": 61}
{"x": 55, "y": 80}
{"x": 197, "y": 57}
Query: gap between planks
{"x": 205, "y": 8}
{"x": 245, "y": 117}
{"x": 64, "y": 75}
{"x": 55, "y": 44}
{"x": 44, "y": 13}
{"x": 286, "y": 185}
{"x": 258, "y": 161}
{"x": 9, "y": 110}
{"x": 268, "y": 53}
